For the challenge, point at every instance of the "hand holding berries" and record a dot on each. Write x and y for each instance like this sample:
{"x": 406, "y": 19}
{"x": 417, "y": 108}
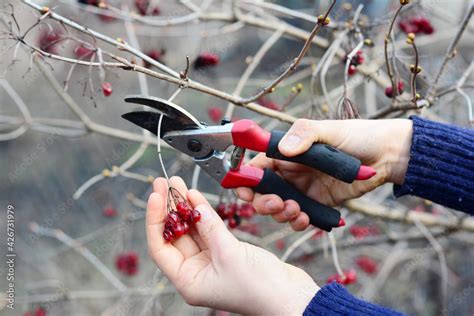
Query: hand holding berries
{"x": 211, "y": 260}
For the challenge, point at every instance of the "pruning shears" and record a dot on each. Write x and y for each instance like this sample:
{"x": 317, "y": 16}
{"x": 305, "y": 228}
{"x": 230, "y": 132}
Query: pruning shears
{"x": 207, "y": 145}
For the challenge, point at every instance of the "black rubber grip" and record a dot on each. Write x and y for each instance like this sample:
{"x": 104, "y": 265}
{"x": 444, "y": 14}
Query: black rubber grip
{"x": 320, "y": 215}
{"x": 323, "y": 157}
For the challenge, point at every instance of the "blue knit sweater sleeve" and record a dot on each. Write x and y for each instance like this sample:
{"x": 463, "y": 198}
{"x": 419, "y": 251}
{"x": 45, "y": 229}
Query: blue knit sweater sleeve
{"x": 441, "y": 166}
{"x": 334, "y": 299}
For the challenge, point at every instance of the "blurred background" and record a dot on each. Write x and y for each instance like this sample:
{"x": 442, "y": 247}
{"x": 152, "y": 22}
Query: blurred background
{"x": 78, "y": 174}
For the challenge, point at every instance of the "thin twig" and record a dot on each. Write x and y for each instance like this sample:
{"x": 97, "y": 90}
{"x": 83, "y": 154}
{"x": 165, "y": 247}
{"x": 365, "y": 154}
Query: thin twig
{"x": 431, "y": 93}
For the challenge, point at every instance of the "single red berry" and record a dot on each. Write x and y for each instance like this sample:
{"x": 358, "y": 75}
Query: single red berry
{"x": 186, "y": 227}
{"x": 182, "y": 207}
{"x": 359, "y": 232}
{"x": 40, "y": 311}
{"x": 215, "y": 113}
{"x": 235, "y": 207}
{"x": 229, "y": 212}
{"x": 423, "y": 25}
{"x": 49, "y": 40}
{"x": 107, "y": 88}
{"x": 196, "y": 216}
{"x": 169, "y": 224}
{"x": 232, "y": 222}
{"x": 389, "y": 90}
{"x": 184, "y": 211}
{"x": 82, "y": 51}
{"x": 428, "y": 30}
{"x": 90, "y": 2}
{"x": 107, "y": 17}
{"x": 367, "y": 264}
{"x": 351, "y": 277}
{"x": 154, "y": 54}
{"x": 335, "y": 278}
{"x": 109, "y": 212}
{"x": 168, "y": 235}
{"x": 408, "y": 27}
{"x": 220, "y": 209}
{"x": 173, "y": 216}
{"x": 178, "y": 230}
{"x": 352, "y": 70}
{"x": 206, "y": 60}
{"x": 143, "y": 7}
{"x": 400, "y": 87}
{"x": 280, "y": 244}
{"x": 246, "y": 210}
{"x": 268, "y": 104}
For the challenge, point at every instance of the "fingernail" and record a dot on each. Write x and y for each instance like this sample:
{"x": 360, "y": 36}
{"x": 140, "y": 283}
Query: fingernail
{"x": 290, "y": 142}
{"x": 289, "y": 213}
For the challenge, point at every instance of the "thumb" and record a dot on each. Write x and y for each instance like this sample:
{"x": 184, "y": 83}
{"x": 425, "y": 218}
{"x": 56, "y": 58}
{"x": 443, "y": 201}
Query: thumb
{"x": 298, "y": 139}
{"x": 213, "y": 231}
{"x": 304, "y": 133}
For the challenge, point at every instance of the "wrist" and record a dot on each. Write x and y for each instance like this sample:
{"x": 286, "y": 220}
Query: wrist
{"x": 398, "y": 153}
{"x": 300, "y": 293}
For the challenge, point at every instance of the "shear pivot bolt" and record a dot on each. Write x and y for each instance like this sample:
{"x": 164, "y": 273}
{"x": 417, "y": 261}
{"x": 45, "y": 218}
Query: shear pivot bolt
{"x": 194, "y": 145}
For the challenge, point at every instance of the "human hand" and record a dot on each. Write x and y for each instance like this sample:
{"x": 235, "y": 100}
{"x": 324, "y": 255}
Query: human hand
{"x": 381, "y": 144}
{"x": 210, "y": 267}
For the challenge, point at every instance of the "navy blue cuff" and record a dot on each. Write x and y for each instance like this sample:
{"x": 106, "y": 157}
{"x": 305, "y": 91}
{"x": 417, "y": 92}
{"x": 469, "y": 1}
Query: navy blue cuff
{"x": 334, "y": 299}
{"x": 441, "y": 165}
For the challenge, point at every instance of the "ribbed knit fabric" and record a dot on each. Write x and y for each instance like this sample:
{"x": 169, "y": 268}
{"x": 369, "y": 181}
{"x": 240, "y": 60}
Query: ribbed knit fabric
{"x": 334, "y": 299}
{"x": 441, "y": 166}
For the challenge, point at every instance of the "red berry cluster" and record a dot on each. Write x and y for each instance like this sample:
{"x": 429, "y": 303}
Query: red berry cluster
{"x": 389, "y": 90}
{"x": 417, "y": 25}
{"x": 106, "y": 88}
{"x": 268, "y": 103}
{"x": 39, "y": 311}
{"x": 367, "y": 264}
{"x": 355, "y": 61}
{"x": 234, "y": 212}
{"x": 156, "y": 55}
{"x": 205, "y": 60}
{"x": 360, "y": 232}
{"x": 48, "y": 41}
{"x": 143, "y": 7}
{"x": 349, "y": 277}
{"x": 127, "y": 263}
{"x": 215, "y": 113}
{"x": 180, "y": 218}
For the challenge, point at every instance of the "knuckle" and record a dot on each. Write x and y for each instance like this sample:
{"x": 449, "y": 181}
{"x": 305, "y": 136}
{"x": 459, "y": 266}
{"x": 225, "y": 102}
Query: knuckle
{"x": 302, "y": 124}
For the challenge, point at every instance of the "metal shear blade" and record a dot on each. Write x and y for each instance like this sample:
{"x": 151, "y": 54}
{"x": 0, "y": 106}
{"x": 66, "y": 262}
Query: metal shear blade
{"x": 175, "y": 118}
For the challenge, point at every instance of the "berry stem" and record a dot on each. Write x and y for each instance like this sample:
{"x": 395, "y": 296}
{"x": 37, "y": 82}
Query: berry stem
{"x": 413, "y": 74}
{"x": 387, "y": 60}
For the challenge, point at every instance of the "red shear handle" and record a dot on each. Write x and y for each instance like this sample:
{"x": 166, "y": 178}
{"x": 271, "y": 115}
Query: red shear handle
{"x": 247, "y": 134}
{"x": 268, "y": 182}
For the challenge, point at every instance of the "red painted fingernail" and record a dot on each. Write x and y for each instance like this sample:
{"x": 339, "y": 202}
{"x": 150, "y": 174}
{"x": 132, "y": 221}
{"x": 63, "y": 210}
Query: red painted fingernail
{"x": 342, "y": 222}
{"x": 365, "y": 172}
